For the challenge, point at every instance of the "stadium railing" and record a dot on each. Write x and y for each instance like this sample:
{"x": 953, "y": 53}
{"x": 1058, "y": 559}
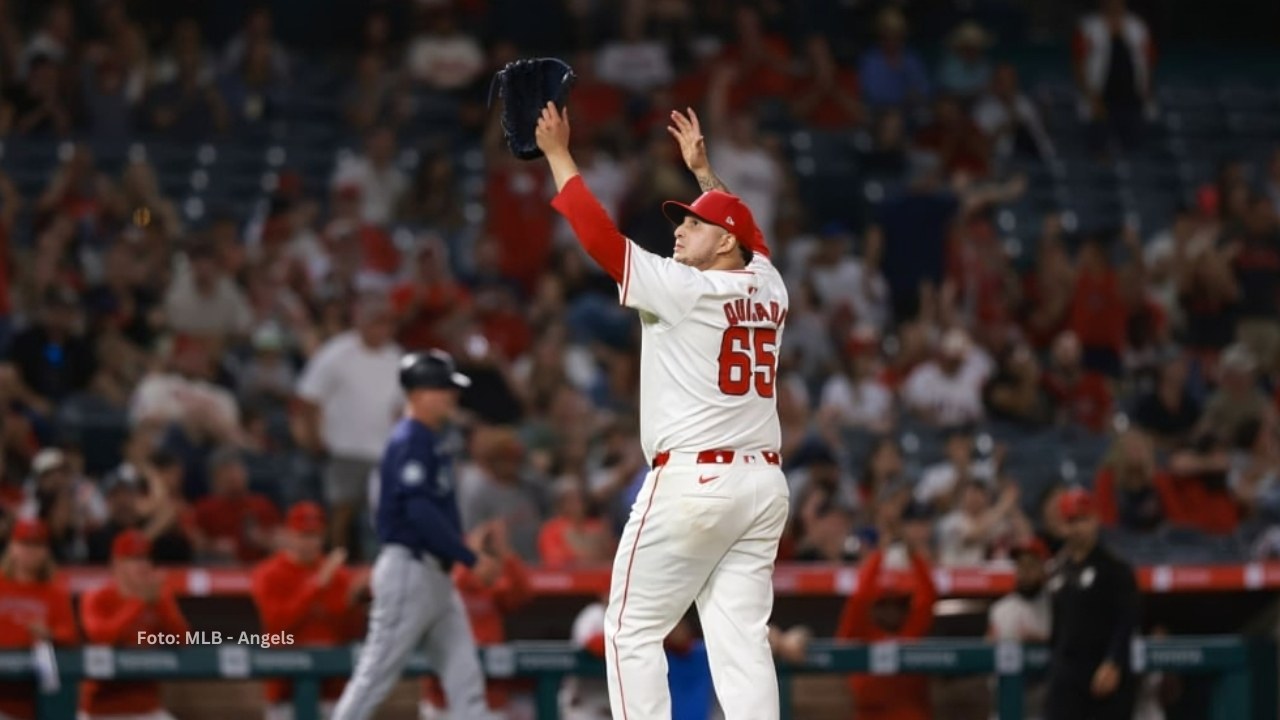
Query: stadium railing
{"x": 1239, "y": 667}
{"x": 788, "y": 579}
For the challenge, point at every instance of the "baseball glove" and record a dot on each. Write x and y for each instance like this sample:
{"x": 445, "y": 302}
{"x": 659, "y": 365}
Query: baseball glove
{"x": 526, "y": 86}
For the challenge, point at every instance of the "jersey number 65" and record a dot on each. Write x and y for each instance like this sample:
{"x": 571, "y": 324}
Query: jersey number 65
{"x": 748, "y": 356}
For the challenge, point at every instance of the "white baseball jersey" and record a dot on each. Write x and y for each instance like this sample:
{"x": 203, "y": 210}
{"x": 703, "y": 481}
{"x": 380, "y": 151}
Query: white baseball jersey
{"x": 709, "y": 357}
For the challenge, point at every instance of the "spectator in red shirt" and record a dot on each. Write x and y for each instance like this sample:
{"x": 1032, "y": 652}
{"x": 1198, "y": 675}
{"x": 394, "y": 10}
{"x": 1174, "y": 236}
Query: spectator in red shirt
{"x": 33, "y": 608}
{"x": 1083, "y": 397}
{"x": 132, "y": 604}
{"x": 1047, "y": 289}
{"x": 308, "y": 596}
{"x": 956, "y": 140}
{"x": 572, "y": 538}
{"x": 1130, "y": 491}
{"x": 761, "y": 61}
{"x": 869, "y": 616}
{"x": 827, "y": 98}
{"x": 1099, "y": 316}
{"x": 237, "y": 523}
{"x": 431, "y": 302}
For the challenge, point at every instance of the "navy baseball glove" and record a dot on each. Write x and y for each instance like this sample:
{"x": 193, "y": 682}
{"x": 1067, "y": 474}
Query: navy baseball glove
{"x": 526, "y": 86}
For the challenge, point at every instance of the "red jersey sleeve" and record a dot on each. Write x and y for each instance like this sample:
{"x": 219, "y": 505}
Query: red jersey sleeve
{"x": 596, "y": 232}
{"x": 920, "y": 616}
{"x": 855, "y": 619}
{"x": 1104, "y": 497}
{"x": 282, "y": 604}
{"x": 513, "y": 588}
{"x": 62, "y": 619}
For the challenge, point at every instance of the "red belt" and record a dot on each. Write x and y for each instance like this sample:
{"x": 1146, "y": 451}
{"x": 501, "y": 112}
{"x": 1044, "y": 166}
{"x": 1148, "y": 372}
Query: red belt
{"x": 714, "y": 457}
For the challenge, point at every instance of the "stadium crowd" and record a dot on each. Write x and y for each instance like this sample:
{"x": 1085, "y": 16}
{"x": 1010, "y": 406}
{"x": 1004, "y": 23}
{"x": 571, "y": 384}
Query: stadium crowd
{"x": 252, "y": 348}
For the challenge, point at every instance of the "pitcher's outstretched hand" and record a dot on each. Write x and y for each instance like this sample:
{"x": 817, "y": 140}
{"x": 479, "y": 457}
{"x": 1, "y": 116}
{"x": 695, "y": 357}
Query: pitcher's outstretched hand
{"x": 687, "y": 131}
{"x": 552, "y": 132}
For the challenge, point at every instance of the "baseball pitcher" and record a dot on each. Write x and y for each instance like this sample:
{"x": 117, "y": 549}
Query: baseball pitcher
{"x": 417, "y": 522}
{"x": 706, "y": 524}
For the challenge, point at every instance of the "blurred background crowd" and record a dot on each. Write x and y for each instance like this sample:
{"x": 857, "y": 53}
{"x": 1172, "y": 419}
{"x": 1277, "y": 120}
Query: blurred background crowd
{"x": 1006, "y": 277}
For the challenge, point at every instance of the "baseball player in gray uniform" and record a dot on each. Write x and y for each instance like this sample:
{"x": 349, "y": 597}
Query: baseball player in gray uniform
{"x": 414, "y": 600}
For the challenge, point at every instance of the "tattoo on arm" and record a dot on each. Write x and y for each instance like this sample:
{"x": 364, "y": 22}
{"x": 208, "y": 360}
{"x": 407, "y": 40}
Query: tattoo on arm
{"x": 708, "y": 181}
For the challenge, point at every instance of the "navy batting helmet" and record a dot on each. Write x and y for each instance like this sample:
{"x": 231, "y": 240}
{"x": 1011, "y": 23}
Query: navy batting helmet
{"x": 431, "y": 370}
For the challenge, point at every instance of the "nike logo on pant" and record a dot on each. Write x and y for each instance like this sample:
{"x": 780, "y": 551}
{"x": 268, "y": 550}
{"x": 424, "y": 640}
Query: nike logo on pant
{"x": 703, "y": 479}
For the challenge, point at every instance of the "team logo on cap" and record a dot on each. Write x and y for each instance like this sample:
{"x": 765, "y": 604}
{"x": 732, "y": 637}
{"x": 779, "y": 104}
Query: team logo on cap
{"x": 729, "y": 221}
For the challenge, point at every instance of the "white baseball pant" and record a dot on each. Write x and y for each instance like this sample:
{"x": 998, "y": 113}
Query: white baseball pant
{"x": 704, "y": 533}
{"x": 412, "y": 599}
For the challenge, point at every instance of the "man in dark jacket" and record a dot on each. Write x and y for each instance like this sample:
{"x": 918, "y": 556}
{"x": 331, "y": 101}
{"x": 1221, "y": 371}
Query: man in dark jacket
{"x": 1095, "y": 612}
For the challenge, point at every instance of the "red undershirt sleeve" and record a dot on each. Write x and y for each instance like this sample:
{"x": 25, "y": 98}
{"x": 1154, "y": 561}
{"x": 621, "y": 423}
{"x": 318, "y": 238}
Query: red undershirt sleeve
{"x": 596, "y": 232}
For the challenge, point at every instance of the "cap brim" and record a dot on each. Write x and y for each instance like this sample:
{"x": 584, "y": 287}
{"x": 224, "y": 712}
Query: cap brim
{"x": 676, "y": 212}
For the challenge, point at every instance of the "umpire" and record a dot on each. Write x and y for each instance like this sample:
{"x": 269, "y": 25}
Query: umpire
{"x": 414, "y": 600}
{"x": 1095, "y": 611}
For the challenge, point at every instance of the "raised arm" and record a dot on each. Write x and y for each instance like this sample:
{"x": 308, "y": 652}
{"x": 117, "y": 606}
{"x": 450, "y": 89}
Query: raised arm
{"x": 596, "y": 232}
{"x": 687, "y": 130}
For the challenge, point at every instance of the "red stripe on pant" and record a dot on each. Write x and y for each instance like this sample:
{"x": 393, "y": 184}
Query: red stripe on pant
{"x": 626, "y": 586}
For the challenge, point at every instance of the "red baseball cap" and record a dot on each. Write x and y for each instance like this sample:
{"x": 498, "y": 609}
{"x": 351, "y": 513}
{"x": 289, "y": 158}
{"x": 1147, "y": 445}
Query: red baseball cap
{"x": 1075, "y": 503}
{"x": 1031, "y": 546}
{"x": 30, "y": 530}
{"x": 305, "y": 517}
{"x": 131, "y": 544}
{"x": 722, "y": 210}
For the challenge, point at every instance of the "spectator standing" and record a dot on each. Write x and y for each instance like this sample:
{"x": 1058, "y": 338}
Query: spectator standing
{"x": 187, "y": 107}
{"x": 1011, "y": 120}
{"x": 443, "y": 56}
{"x": 858, "y": 398}
{"x": 36, "y": 108}
{"x": 121, "y": 490}
{"x": 308, "y": 595}
{"x": 968, "y": 534}
{"x": 634, "y": 62}
{"x": 965, "y": 70}
{"x": 70, "y": 503}
{"x": 53, "y": 357}
{"x": 239, "y": 525}
{"x": 742, "y": 160}
{"x": 828, "y": 96}
{"x": 1083, "y": 397}
{"x": 1099, "y": 315}
{"x": 1114, "y": 61}
{"x": 258, "y": 30}
{"x": 1238, "y": 401}
{"x": 1169, "y": 411}
{"x": 1130, "y": 492}
{"x": 34, "y": 608}
{"x": 1016, "y": 393}
{"x": 493, "y": 487}
{"x": 891, "y": 73}
{"x": 375, "y": 177}
{"x": 1255, "y": 260}
{"x": 205, "y": 300}
{"x": 349, "y": 399}
{"x": 870, "y": 616}
{"x": 134, "y": 602}
{"x": 1095, "y": 613}
{"x": 947, "y": 391}
{"x": 572, "y": 537}
{"x": 910, "y": 235}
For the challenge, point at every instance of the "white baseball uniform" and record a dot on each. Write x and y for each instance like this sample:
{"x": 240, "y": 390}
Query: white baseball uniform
{"x": 707, "y": 521}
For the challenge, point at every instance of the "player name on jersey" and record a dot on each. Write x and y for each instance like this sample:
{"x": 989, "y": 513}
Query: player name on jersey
{"x": 744, "y": 310}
